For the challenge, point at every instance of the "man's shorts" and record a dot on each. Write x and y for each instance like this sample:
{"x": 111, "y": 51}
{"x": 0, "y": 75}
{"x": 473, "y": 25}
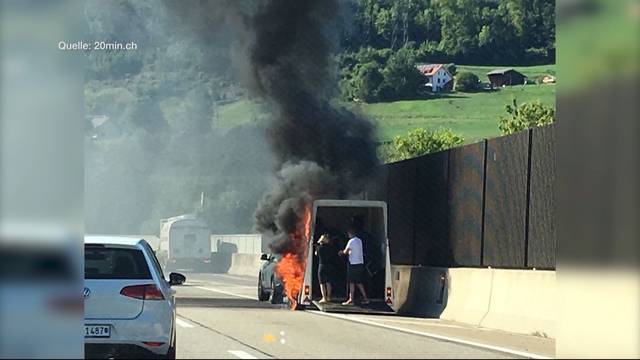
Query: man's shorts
{"x": 355, "y": 274}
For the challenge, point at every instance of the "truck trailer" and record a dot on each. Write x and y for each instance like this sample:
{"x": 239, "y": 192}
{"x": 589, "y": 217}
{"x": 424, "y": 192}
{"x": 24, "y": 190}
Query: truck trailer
{"x": 185, "y": 243}
{"x": 335, "y": 217}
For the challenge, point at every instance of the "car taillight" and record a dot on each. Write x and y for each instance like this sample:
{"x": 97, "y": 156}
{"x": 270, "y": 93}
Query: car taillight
{"x": 142, "y": 292}
{"x": 153, "y": 343}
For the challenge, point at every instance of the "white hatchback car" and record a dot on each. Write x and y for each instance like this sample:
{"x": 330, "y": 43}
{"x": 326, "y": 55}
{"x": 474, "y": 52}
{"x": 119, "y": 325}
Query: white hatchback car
{"x": 130, "y": 308}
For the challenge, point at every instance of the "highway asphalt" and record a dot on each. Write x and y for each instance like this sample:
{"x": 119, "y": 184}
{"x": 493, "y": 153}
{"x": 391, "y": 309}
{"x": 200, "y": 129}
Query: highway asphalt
{"x": 219, "y": 316}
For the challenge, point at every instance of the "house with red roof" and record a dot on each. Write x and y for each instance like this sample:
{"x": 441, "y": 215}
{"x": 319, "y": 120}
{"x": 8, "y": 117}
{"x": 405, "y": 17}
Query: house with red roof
{"x": 438, "y": 78}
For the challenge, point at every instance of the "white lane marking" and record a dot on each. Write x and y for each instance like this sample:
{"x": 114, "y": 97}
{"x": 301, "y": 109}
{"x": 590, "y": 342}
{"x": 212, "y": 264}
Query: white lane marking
{"x": 430, "y": 323}
{"x": 227, "y": 293}
{"x": 215, "y": 283}
{"x": 245, "y": 278}
{"x": 241, "y": 354}
{"x": 183, "y": 323}
{"x": 435, "y": 336}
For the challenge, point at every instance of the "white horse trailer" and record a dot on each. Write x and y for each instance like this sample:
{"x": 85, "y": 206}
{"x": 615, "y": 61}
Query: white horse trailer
{"x": 335, "y": 217}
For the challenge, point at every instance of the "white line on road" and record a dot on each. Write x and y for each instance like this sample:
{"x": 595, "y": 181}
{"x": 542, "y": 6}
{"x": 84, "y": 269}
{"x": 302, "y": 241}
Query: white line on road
{"x": 241, "y": 354}
{"x": 245, "y": 278}
{"x": 227, "y": 293}
{"x": 231, "y": 285}
{"x": 435, "y": 336}
{"x": 183, "y": 323}
{"x": 215, "y": 283}
{"x": 427, "y": 322}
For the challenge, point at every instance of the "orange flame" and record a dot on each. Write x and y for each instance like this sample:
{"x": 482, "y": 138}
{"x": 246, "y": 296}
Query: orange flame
{"x": 291, "y": 266}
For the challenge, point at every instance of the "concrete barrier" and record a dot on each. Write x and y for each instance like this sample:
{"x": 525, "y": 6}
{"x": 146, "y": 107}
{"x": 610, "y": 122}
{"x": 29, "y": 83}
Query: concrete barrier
{"x": 237, "y": 243}
{"x": 245, "y": 265}
{"x": 520, "y": 301}
{"x": 220, "y": 262}
{"x": 469, "y": 295}
{"x": 417, "y": 290}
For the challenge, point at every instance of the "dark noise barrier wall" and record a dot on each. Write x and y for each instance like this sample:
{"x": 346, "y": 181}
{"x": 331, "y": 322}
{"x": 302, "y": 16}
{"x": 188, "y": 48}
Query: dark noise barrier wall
{"x": 466, "y": 181}
{"x": 485, "y": 204}
{"x": 400, "y": 195}
{"x": 541, "y": 247}
{"x": 505, "y": 201}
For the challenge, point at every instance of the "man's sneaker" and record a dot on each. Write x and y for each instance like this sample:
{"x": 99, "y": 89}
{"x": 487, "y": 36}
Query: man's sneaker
{"x": 365, "y": 302}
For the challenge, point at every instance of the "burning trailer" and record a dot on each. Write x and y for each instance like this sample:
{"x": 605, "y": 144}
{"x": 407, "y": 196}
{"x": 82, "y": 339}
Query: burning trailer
{"x": 299, "y": 272}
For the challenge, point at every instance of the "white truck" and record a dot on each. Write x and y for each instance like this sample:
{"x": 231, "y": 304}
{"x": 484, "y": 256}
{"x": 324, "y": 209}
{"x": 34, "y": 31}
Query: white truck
{"x": 335, "y": 217}
{"x": 185, "y": 243}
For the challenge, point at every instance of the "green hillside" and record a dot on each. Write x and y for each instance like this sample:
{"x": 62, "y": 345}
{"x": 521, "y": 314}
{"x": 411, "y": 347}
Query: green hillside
{"x": 474, "y": 115}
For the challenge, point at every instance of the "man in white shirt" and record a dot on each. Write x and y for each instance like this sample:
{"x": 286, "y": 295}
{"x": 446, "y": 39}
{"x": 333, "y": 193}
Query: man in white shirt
{"x": 355, "y": 273}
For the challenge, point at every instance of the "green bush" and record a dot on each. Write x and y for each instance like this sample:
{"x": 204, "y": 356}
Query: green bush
{"x": 367, "y": 82}
{"x": 401, "y": 77}
{"x": 452, "y": 68}
{"x": 525, "y": 116}
{"x": 420, "y": 142}
{"x": 378, "y": 75}
{"x": 467, "y": 82}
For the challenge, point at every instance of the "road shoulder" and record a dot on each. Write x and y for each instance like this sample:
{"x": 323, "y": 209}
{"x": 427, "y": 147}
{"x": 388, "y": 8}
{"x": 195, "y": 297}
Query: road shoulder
{"x": 512, "y": 343}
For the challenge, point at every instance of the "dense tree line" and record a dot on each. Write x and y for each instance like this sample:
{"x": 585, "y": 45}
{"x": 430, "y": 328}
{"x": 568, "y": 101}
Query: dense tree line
{"x": 389, "y": 37}
{"x": 491, "y": 32}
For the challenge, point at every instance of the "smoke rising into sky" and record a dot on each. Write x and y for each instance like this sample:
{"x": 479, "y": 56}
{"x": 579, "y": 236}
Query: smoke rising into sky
{"x": 323, "y": 151}
{"x": 163, "y": 141}
{"x": 163, "y": 144}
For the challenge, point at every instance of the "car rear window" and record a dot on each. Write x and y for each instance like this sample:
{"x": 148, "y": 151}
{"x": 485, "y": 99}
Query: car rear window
{"x": 115, "y": 263}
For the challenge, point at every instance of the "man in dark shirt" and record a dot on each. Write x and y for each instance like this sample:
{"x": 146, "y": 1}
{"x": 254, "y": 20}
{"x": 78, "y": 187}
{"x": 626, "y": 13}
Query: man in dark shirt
{"x": 326, "y": 266}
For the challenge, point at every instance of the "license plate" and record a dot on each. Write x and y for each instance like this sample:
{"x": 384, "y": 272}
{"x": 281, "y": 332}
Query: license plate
{"x": 103, "y": 331}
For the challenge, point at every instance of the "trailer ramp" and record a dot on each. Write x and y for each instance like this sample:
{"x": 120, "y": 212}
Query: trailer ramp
{"x": 378, "y": 307}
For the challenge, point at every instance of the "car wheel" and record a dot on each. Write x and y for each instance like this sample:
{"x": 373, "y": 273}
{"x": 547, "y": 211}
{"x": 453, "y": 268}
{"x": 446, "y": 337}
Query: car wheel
{"x": 171, "y": 354}
{"x": 262, "y": 295}
{"x": 276, "y": 293}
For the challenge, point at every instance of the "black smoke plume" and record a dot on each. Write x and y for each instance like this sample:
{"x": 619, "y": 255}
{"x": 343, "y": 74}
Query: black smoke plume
{"x": 323, "y": 151}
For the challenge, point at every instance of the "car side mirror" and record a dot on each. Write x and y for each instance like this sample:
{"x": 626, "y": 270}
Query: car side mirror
{"x": 264, "y": 257}
{"x": 176, "y": 279}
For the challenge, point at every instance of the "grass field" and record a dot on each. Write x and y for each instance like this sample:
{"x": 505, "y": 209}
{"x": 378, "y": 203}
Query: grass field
{"x": 474, "y": 115}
